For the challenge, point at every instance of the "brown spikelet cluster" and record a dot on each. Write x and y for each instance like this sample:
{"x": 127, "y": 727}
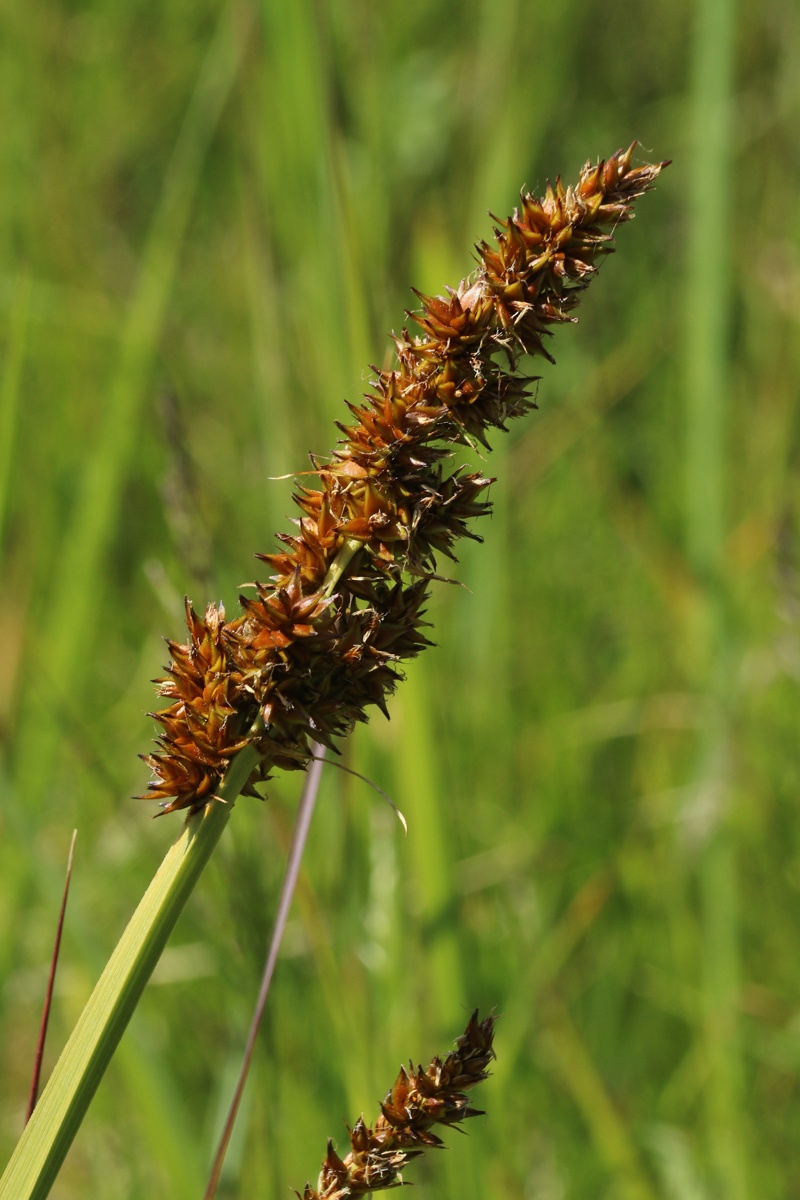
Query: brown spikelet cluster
{"x": 323, "y": 640}
{"x": 419, "y": 1100}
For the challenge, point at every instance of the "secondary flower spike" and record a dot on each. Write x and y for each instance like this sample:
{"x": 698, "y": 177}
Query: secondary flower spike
{"x": 419, "y": 1100}
{"x": 323, "y": 640}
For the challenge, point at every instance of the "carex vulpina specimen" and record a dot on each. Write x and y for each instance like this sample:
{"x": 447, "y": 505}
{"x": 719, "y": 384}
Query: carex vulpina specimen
{"x": 323, "y": 640}
{"x": 418, "y": 1101}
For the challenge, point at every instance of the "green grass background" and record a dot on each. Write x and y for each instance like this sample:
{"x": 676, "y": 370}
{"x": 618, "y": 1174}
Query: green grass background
{"x": 210, "y": 218}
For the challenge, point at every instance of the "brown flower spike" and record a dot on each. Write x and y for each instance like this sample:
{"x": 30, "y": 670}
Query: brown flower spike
{"x": 323, "y": 641}
{"x": 418, "y": 1101}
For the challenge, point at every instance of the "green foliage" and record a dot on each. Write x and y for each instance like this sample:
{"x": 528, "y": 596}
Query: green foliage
{"x": 211, "y": 217}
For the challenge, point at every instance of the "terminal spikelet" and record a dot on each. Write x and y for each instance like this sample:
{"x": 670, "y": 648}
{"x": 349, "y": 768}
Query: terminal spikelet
{"x": 418, "y": 1101}
{"x": 318, "y": 645}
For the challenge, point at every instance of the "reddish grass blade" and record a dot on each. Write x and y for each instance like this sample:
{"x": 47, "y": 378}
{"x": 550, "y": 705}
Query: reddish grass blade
{"x": 48, "y": 999}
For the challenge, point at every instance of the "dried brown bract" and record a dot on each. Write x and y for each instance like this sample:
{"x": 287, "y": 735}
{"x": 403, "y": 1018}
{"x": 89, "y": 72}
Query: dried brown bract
{"x": 419, "y": 1100}
{"x": 323, "y": 641}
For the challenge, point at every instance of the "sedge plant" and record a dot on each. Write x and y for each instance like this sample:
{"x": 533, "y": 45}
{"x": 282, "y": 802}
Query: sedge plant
{"x": 320, "y": 643}
{"x": 420, "y": 1099}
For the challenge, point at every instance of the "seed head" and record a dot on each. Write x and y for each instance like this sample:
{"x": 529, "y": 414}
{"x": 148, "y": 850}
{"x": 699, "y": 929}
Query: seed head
{"x": 419, "y": 1100}
{"x": 320, "y": 643}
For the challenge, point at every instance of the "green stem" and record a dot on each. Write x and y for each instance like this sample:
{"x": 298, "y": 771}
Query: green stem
{"x": 57, "y": 1117}
{"x": 48, "y": 1135}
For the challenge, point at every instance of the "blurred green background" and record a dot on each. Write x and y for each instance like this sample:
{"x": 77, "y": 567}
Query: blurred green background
{"x": 210, "y": 217}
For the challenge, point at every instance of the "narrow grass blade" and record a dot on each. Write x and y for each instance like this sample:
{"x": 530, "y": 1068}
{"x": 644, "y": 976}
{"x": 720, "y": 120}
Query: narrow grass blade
{"x": 97, "y": 505}
{"x": 55, "y": 1121}
{"x": 708, "y": 397}
{"x": 610, "y": 1135}
{"x": 421, "y": 795}
{"x": 306, "y": 811}
{"x": 10, "y": 390}
{"x": 48, "y": 999}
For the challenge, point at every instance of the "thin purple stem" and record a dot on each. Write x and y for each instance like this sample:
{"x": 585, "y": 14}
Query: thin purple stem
{"x": 304, "y": 814}
{"x": 48, "y": 997}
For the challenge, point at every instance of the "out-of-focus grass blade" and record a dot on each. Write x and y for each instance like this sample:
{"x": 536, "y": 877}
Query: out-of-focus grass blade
{"x": 10, "y": 380}
{"x": 163, "y": 1119}
{"x": 610, "y": 1135}
{"x": 708, "y": 394}
{"x": 421, "y": 794}
{"x": 57, "y": 1117}
{"x": 79, "y": 575}
{"x": 709, "y": 267}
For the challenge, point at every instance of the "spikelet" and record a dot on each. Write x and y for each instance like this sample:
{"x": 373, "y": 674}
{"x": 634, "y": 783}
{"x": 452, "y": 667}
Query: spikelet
{"x": 419, "y": 1100}
{"x": 318, "y": 645}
